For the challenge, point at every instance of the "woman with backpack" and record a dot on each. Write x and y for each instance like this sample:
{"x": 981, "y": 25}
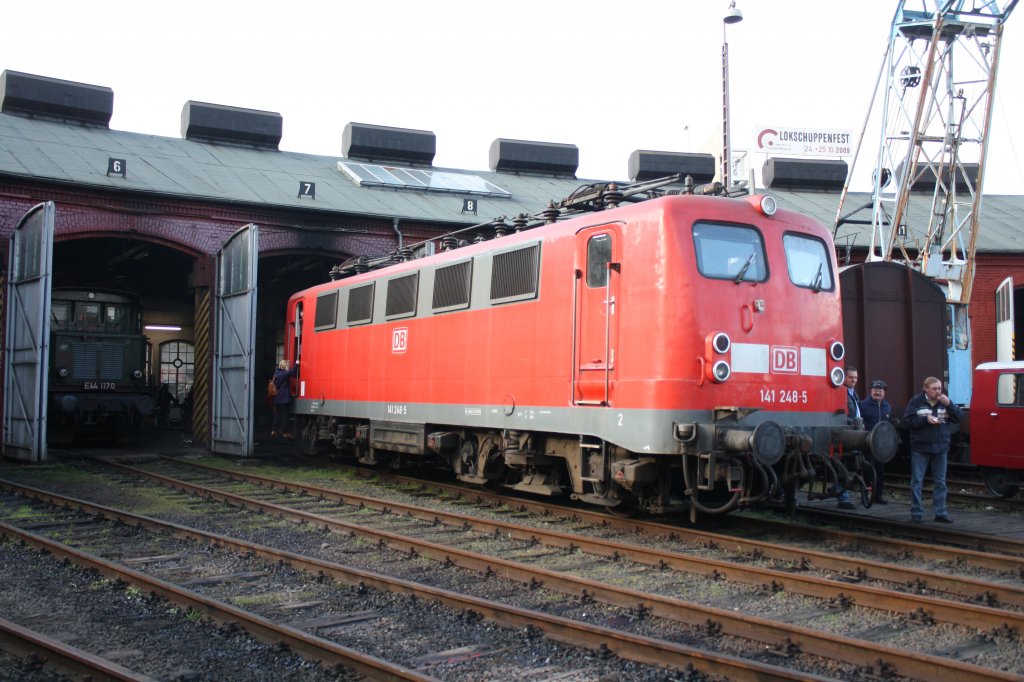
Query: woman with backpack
{"x": 280, "y": 392}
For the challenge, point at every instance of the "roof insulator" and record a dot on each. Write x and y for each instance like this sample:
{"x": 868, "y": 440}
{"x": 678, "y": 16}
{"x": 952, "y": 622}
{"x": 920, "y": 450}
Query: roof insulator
{"x": 647, "y": 165}
{"x": 550, "y": 213}
{"x": 781, "y": 173}
{"x": 543, "y": 158}
{"x": 220, "y": 124}
{"x": 380, "y": 143}
{"x": 55, "y": 99}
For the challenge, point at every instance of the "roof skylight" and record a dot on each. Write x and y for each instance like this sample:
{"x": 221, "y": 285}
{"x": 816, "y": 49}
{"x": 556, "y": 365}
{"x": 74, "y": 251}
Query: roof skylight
{"x": 371, "y": 175}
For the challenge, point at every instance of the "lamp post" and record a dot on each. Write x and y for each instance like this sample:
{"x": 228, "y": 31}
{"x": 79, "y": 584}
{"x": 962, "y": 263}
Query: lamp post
{"x": 732, "y": 16}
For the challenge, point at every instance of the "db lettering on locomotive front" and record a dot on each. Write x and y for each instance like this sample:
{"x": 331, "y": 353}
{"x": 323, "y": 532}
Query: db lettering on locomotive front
{"x": 785, "y": 360}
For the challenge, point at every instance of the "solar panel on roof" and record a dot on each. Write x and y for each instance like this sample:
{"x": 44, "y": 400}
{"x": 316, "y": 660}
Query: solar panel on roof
{"x": 372, "y": 175}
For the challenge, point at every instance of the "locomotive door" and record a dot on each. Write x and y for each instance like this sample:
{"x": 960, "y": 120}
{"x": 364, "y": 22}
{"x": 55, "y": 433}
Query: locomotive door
{"x": 28, "y": 332}
{"x": 235, "y": 343}
{"x": 596, "y": 328}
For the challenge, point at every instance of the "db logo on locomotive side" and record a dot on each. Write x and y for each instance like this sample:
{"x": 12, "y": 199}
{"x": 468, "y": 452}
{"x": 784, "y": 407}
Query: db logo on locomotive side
{"x": 399, "y": 339}
{"x": 785, "y": 360}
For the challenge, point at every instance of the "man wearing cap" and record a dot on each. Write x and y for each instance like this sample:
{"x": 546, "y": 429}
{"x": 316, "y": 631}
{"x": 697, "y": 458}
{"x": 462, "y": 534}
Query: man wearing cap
{"x": 874, "y": 409}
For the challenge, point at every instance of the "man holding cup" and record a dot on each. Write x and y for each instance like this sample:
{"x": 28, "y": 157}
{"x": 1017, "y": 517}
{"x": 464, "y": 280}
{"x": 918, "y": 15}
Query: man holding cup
{"x": 928, "y": 416}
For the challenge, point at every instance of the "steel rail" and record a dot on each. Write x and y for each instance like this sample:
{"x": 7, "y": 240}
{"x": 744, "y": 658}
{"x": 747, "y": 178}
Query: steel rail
{"x": 306, "y": 645}
{"x": 970, "y": 588}
{"x": 633, "y": 647}
{"x": 64, "y": 658}
{"x": 858, "y": 652}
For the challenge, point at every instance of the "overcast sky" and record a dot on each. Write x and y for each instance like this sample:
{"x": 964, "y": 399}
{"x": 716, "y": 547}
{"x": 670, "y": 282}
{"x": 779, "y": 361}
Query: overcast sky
{"x": 609, "y": 77}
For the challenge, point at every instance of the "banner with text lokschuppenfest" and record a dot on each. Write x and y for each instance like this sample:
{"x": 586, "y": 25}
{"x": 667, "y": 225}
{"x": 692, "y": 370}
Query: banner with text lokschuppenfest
{"x": 804, "y": 141}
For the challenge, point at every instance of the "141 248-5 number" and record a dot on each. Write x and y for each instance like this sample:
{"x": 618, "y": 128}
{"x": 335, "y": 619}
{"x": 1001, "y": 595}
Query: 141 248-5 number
{"x": 771, "y": 395}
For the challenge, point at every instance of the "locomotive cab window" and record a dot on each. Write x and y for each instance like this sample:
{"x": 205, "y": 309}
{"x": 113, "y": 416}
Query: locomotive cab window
{"x": 599, "y": 254}
{"x": 87, "y": 316}
{"x": 729, "y": 252}
{"x": 60, "y": 315}
{"x": 807, "y": 259}
{"x": 117, "y": 318}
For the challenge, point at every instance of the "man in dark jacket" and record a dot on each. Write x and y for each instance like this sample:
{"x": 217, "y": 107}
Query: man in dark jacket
{"x": 852, "y": 413}
{"x": 928, "y": 416}
{"x": 873, "y": 409}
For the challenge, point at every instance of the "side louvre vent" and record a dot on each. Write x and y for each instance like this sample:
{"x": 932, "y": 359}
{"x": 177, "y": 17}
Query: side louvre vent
{"x": 514, "y": 274}
{"x": 360, "y": 304}
{"x": 83, "y": 361}
{"x": 111, "y": 361}
{"x": 451, "y": 286}
{"x": 401, "y": 296}
{"x": 326, "y": 311}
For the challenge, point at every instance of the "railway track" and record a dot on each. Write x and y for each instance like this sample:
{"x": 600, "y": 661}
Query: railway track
{"x": 917, "y": 611}
{"x": 527, "y": 625}
{"x": 46, "y": 652}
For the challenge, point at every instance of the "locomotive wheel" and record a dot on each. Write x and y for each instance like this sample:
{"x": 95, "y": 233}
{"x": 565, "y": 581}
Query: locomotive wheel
{"x": 1001, "y": 483}
{"x": 491, "y": 464}
{"x": 307, "y": 440}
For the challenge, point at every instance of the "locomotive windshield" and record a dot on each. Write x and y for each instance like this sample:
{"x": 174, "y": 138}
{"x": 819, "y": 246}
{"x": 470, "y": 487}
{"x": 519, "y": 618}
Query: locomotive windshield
{"x": 94, "y": 316}
{"x": 729, "y": 252}
{"x": 808, "y": 262}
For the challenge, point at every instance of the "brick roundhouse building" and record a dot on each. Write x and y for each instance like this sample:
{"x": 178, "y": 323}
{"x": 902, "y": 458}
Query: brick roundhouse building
{"x": 150, "y": 214}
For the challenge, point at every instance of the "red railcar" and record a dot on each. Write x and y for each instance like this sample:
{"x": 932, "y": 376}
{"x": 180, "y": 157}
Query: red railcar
{"x": 997, "y": 425}
{"x": 683, "y": 348}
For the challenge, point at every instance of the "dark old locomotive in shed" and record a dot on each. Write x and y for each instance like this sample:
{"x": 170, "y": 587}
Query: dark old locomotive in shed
{"x": 98, "y": 384}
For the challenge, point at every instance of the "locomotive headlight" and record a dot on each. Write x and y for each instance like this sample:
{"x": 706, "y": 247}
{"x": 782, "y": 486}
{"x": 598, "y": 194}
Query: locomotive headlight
{"x": 836, "y": 350}
{"x": 721, "y": 371}
{"x": 721, "y": 343}
{"x": 837, "y": 376}
{"x": 62, "y": 372}
{"x": 768, "y": 205}
{"x": 137, "y": 374}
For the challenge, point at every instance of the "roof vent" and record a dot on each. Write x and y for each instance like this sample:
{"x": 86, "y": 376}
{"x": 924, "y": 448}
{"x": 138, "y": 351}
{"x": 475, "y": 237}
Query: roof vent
{"x": 381, "y": 143}
{"x": 52, "y": 98}
{"x": 781, "y": 173}
{"x": 546, "y": 158}
{"x": 925, "y": 182}
{"x": 647, "y": 165}
{"x": 219, "y": 124}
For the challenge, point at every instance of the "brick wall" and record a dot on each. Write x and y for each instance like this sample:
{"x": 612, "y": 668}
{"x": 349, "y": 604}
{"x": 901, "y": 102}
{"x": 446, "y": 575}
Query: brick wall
{"x": 199, "y": 228}
{"x": 991, "y": 270}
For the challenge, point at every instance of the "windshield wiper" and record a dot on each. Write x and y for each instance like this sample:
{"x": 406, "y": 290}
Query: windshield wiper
{"x": 816, "y": 284}
{"x": 746, "y": 266}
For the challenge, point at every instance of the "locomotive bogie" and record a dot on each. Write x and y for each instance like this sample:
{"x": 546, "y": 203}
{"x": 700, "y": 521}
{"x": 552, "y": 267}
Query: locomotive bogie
{"x": 607, "y": 358}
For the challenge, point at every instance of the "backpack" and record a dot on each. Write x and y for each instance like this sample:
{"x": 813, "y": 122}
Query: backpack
{"x": 271, "y": 389}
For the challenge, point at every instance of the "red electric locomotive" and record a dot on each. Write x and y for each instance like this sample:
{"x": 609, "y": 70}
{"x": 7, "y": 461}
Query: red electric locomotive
{"x": 677, "y": 349}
